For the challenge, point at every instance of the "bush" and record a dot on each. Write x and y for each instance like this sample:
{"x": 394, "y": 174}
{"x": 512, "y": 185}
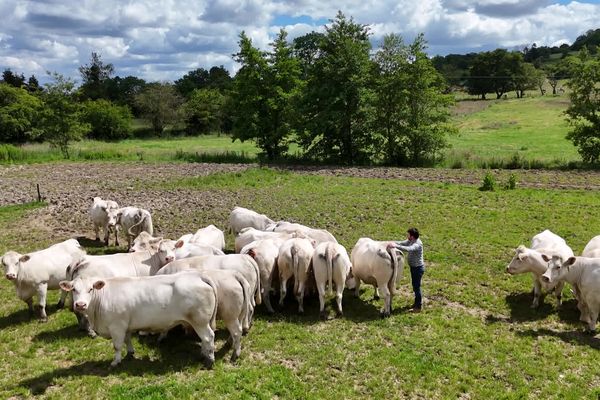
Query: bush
{"x": 19, "y": 115}
{"x": 489, "y": 182}
{"x": 512, "y": 182}
{"x": 108, "y": 121}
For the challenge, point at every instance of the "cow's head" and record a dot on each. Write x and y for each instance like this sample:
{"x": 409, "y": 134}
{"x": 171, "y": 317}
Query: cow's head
{"x": 557, "y": 268}
{"x": 166, "y": 251}
{"x": 113, "y": 215}
{"x": 10, "y": 262}
{"x": 145, "y": 242}
{"x": 520, "y": 262}
{"x": 82, "y": 289}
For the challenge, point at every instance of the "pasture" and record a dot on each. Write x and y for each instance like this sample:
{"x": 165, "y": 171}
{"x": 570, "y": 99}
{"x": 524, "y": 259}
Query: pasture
{"x": 476, "y": 338}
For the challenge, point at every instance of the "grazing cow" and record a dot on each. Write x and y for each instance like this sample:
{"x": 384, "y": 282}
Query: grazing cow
{"x": 249, "y": 235}
{"x": 134, "y": 220}
{"x": 241, "y": 218}
{"x": 37, "y": 272}
{"x": 319, "y": 235}
{"x": 103, "y": 214}
{"x": 241, "y": 263}
{"x": 140, "y": 263}
{"x": 294, "y": 260}
{"x": 233, "y": 302}
{"x": 375, "y": 264}
{"x": 583, "y": 273}
{"x": 331, "y": 264}
{"x": 265, "y": 252}
{"x": 530, "y": 260}
{"x": 211, "y": 235}
{"x": 592, "y": 249}
{"x": 116, "y": 307}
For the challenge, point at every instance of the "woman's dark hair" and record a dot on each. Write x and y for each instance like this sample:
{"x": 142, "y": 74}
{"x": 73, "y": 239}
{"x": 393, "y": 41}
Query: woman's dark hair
{"x": 414, "y": 232}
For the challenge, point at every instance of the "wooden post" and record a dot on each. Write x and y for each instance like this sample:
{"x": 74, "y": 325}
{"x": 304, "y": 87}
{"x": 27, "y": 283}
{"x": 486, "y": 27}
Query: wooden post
{"x": 38, "y": 192}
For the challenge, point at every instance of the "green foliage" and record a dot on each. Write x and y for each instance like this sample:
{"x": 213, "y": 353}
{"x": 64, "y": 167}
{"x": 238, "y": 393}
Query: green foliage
{"x": 584, "y": 111}
{"x": 336, "y": 105}
{"x": 107, "y": 120}
{"x": 511, "y": 183}
{"x": 94, "y": 77}
{"x": 159, "y": 104}
{"x": 488, "y": 183}
{"x": 263, "y": 91}
{"x": 204, "y": 111}
{"x": 216, "y": 78}
{"x": 19, "y": 115}
{"x": 495, "y": 72}
{"x": 61, "y": 118}
{"x": 122, "y": 91}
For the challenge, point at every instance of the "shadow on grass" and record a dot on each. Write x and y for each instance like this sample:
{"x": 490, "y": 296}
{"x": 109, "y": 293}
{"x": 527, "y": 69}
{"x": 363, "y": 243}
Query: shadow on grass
{"x": 24, "y": 316}
{"x": 66, "y": 332}
{"x": 96, "y": 247}
{"x": 520, "y": 307}
{"x": 573, "y": 337}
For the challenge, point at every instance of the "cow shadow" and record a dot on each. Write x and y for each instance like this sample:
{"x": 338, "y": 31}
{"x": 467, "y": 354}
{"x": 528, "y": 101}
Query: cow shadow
{"x": 520, "y": 307}
{"x": 97, "y": 247}
{"x": 66, "y": 332}
{"x": 89, "y": 243}
{"x": 23, "y": 316}
{"x": 575, "y": 337}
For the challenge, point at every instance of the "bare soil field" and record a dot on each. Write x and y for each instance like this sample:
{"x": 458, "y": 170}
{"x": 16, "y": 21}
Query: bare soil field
{"x": 68, "y": 188}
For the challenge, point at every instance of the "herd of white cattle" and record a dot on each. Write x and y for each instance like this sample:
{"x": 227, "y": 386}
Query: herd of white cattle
{"x": 552, "y": 263}
{"x": 162, "y": 283}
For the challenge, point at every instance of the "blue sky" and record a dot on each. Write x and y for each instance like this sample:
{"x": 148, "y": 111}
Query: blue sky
{"x": 164, "y": 39}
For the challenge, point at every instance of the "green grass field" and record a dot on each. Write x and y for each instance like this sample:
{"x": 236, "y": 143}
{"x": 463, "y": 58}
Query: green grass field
{"x": 477, "y": 337}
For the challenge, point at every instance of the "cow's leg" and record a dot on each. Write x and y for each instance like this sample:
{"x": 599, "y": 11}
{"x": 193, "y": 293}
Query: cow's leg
{"x": 375, "y": 293}
{"x": 42, "y": 291}
{"x": 266, "y": 295}
{"x": 106, "y": 234}
{"x": 321, "y": 290}
{"x": 300, "y": 297}
{"x": 130, "y": 350}
{"x": 84, "y": 325}
{"x": 558, "y": 293}
{"x": 357, "y": 286}
{"x": 387, "y": 303}
{"x": 537, "y": 292}
{"x": 116, "y": 235}
{"x": 282, "y": 288}
{"x": 61, "y": 301}
{"x": 207, "y": 336}
{"x": 29, "y": 302}
{"x": 339, "y": 291}
{"x": 593, "y": 314}
{"x": 97, "y": 231}
{"x": 118, "y": 338}
{"x": 235, "y": 331}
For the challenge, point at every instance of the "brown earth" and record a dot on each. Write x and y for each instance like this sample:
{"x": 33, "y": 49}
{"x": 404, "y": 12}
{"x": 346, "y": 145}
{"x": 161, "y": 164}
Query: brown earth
{"x": 69, "y": 188}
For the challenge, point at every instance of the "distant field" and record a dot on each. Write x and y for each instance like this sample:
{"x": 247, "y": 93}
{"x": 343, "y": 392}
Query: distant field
{"x": 532, "y": 128}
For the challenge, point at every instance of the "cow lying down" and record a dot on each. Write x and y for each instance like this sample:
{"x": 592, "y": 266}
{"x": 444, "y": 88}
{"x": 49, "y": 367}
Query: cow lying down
{"x": 116, "y": 307}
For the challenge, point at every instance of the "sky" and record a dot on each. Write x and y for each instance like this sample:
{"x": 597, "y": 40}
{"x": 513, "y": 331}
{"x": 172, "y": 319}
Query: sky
{"x": 162, "y": 40}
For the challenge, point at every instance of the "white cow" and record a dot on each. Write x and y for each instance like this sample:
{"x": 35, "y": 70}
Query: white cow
{"x": 241, "y": 263}
{"x": 37, "y": 272}
{"x": 241, "y": 218}
{"x": 187, "y": 250}
{"x": 210, "y": 235}
{"x": 583, "y": 273}
{"x": 265, "y": 252}
{"x": 249, "y": 235}
{"x": 134, "y": 220}
{"x": 331, "y": 264}
{"x": 103, "y": 214}
{"x": 592, "y": 249}
{"x": 319, "y": 235}
{"x": 145, "y": 242}
{"x": 530, "y": 260}
{"x": 116, "y": 307}
{"x": 375, "y": 264}
{"x": 233, "y": 302}
{"x": 294, "y": 260}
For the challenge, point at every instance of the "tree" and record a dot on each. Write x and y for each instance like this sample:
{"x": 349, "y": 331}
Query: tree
{"x": 94, "y": 77}
{"x": 12, "y": 79}
{"x": 203, "y": 112}
{"x": 60, "y": 121}
{"x": 493, "y": 71}
{"x": 263, "y": 91}
{"x": 196, "y": 79}
{"x": 19, "y": 114}
{"x": 414, "y": 112}
{"x": 122, "y": 91}
{"x": 525, "y": 77}
{"x": 107, "y": 120}
{"x": 306, "y": 50}
{"x": 583, "y": 114}
{"x": 337, "y": 101}
{"x": 33, "y": 85}
{"x": 219, "y": 78}
{"x": 159, "y": 104}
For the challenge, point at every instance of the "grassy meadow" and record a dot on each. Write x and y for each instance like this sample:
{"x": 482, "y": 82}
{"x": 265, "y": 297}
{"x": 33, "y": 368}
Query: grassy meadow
{"x": 477, "y": 338}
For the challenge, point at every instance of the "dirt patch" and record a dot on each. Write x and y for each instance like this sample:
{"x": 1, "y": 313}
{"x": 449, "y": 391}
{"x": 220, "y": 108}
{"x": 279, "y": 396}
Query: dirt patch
{"x": 466, "y": 107}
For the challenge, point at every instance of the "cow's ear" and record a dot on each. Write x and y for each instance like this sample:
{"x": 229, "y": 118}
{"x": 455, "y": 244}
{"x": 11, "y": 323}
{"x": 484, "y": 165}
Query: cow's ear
{"x": 570, "y": 261}
{"x": 98, "y": 285}
{"x": 179, "y": 244}
{"x": 522, "y": 256}
{"x": 103, "y": 208}
{"x": 155, "y": 240}
{"x": 24, "y": 258}
{"x": 66, "y": 286}
{"x": 546, "y": 258}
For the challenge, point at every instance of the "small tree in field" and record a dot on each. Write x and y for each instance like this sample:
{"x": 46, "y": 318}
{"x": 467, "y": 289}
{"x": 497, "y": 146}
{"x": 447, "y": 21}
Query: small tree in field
{"x": 159, "y": 103}
{"x": 584, "y": 111}
{"x": 19, "y": 114}
{"x": 203, "y": 112}
{"x": 61, "y": 118}
{"x": 107, "y": 120}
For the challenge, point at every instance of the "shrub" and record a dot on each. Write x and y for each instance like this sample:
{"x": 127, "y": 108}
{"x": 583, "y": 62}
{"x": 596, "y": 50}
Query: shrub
{"x": 108, "y": 121}
{"x": 488, "y": 183}
{"x": 512, "y": 182}
{"x": 19, "y": 115}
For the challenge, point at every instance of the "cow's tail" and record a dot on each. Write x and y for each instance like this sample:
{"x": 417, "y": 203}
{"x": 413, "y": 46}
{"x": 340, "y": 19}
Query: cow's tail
{"x": 392, "y": 281}
{"x": 213, "y": 285}
{"x": 246, "y": 291}
{"x": 141, "y": 221}
{"x": 257, "y": 293}
{"x": 295, "y": 268}
{"x": 329, "y": 262}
